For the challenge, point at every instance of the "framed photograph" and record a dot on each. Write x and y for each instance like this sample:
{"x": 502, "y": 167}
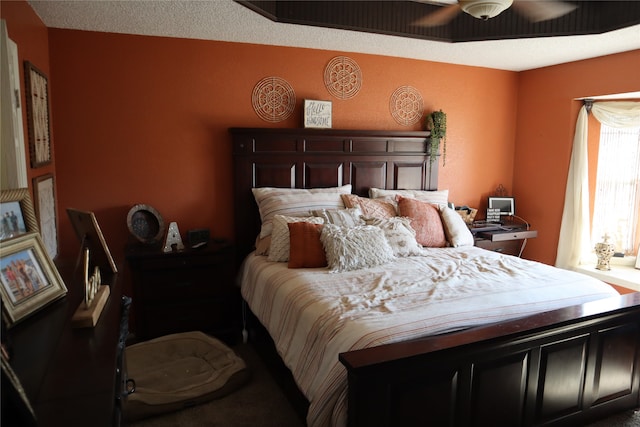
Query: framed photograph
{"x": 18, "y": 215}
{"x": 638, "y": 258}
{"x": 45, "y": 203}
{"x": 88, "y": 231}
{"x": 29, "y": 279}
{"x": 37, "y": 94}
{"x": 317, "y": 114}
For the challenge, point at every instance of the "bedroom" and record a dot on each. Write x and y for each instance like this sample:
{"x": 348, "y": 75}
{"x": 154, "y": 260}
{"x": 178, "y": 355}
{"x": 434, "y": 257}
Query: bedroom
{"x": 131, "y": 126}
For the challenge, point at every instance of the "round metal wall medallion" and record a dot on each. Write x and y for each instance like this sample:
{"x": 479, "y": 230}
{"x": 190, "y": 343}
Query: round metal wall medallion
{"x": 342, "y": 77}
{"x": 406, "y": 105}
{"x": 273, "y": 99}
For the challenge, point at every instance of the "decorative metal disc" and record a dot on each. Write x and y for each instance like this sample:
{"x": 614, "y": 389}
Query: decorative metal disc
{"x": 406, "y": 105}
{"x": 273, "y": 99}
{"x": 342, "y": 77}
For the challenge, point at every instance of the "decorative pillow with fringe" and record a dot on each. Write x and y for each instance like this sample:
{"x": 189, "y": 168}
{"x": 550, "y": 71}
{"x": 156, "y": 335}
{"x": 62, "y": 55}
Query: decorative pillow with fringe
{"x": 355, "y": 248}
{"x": 399, "y": 234}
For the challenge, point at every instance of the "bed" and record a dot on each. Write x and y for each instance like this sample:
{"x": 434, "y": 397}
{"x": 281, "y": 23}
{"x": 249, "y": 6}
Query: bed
{"x": 565, "y": 359}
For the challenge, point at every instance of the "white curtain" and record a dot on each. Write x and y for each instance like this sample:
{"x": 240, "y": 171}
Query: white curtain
{"x": 574, "y": 230}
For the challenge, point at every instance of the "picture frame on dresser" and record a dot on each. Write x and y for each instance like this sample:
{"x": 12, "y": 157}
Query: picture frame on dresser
{"x": 18, "y": 214}
{"x": 29, "y": 280}
{"x": 86, "y": 227}
{"x": 45, "y": 206}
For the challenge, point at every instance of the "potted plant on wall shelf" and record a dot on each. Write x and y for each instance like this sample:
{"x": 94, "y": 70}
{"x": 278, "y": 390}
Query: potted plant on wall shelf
{"x": 436, "y": 123}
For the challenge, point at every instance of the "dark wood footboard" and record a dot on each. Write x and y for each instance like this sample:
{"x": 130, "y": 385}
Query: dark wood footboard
{"x": 565, "y": 367}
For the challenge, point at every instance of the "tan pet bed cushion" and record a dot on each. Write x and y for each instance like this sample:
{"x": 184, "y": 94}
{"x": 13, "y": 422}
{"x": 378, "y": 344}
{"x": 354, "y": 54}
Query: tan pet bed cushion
{"x": 180, "y": 370}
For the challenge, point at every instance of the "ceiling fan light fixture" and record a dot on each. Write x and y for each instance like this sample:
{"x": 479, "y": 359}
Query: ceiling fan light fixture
{"x": 484, "y": 9}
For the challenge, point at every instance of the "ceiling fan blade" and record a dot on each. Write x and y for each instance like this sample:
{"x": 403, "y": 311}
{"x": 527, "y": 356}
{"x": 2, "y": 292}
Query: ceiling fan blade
{"x": 440, "y": 17}
{"x": 538, "y": 11}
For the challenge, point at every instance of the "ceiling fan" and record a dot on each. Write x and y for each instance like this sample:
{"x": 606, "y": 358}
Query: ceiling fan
{"x": 533, "y": 10}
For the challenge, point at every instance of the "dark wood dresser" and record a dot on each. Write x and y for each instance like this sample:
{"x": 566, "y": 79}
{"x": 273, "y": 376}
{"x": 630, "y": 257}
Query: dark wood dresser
{"x": 71, "y": 376}
{"x": 187, "y": 290}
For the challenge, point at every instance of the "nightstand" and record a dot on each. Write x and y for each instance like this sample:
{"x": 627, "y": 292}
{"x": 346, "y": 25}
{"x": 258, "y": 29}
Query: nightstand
{"x": 188, "y": 290}
{"x": 508, "y": 241}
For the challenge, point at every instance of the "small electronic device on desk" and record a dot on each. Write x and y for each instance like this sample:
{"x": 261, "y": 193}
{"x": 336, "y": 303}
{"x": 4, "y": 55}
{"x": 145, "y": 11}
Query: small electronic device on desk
{"x": 503, "y": 231}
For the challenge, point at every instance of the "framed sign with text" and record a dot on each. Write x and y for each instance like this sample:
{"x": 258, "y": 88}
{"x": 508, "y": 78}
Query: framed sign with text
{"x": 37, "y": 93}
{"x": 317, "y": 114}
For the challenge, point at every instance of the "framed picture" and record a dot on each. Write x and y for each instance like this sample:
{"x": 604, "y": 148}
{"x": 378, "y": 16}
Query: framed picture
{"x": 37, "y": 94}
{"x": 45, "y": 203}
{"x": 88, "y": 231}
{"x": 29, "y": 279}
{"x": 317, "y": 114}
{"x": 638, "y": 258}
{"x": 18, "y": 216}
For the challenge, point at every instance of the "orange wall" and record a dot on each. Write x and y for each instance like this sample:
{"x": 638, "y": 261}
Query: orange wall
{"x": 547, "y": 113}
{"x": 144, "y": 120}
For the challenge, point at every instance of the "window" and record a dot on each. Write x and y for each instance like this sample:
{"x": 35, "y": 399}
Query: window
{"x": 617, "y": 195}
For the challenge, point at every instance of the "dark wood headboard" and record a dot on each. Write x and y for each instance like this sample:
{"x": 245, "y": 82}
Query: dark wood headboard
{"x": 313, "y": 158}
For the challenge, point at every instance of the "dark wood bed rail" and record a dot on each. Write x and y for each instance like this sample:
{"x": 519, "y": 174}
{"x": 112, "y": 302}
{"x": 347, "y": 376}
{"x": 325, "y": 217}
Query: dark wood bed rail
{"x": 564, "y": 367}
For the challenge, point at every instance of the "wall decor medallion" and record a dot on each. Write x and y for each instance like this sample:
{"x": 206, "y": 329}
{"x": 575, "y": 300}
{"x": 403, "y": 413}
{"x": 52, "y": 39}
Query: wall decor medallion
{"x": 342, "y": 77}
{"x": 273, "y": 99}
{"x": 145, "y": 224}
{"x": 37, "y": 94}
{"x": 406, "y": 105}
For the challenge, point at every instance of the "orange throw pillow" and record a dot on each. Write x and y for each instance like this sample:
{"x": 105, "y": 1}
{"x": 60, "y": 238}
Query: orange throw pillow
{"x": 425, "y": 220}
{"x": 306, "y": 248}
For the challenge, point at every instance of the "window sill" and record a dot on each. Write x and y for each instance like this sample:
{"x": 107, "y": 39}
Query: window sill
{"x": 621, "y": 275}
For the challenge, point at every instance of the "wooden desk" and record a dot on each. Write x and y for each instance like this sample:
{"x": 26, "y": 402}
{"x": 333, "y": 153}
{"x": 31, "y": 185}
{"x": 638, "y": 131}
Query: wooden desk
{"x": 510, "y": 242}
{"x": 71, "y": 376}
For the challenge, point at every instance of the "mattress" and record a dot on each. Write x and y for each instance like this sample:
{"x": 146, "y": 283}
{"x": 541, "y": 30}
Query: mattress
{"x": 314, "y": 314}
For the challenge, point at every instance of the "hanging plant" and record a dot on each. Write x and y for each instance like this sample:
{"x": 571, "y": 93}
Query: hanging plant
{"x": 436, "y": 123}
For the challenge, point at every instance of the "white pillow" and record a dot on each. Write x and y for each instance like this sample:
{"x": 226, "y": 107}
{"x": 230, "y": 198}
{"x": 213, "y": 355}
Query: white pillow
{"x": 349, "y": 217}
{"x": 400, "y": 235}
{"x": 456, "y": 230}
{"x": 295, "y": 202}
{"x": 280, "y": 247}
{"x": 438, "y": 197}
{"x": 355, "y": 248}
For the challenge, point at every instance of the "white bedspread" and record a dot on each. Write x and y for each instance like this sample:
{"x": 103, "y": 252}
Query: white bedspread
{"x": 313, "y": 315}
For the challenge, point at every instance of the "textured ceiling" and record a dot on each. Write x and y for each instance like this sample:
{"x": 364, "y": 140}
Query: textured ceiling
{"x": 226, "y": 20}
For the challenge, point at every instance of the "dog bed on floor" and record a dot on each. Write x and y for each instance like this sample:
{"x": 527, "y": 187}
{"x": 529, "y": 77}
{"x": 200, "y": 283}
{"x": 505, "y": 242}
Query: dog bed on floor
{"x": 178, "y": 371}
